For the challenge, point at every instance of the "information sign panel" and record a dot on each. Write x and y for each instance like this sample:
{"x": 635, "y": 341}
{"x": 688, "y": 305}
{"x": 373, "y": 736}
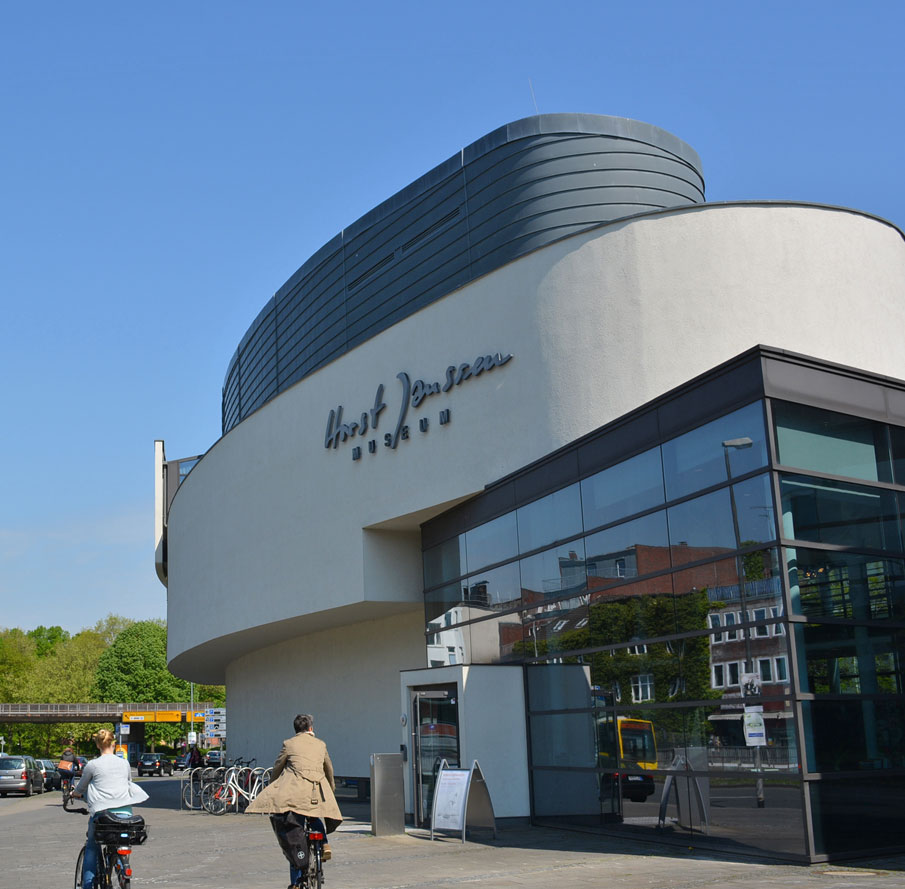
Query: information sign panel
{"x": 461, "y": 799}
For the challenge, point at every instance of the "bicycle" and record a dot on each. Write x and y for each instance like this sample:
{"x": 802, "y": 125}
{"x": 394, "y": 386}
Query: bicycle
{"x": 287, "y": 828}
{"x": 239, "y": 787}
{"x": 115, "y": 835}
{"x": 316, "y": 837}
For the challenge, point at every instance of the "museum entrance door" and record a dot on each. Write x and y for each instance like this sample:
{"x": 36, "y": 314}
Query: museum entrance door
{"x": 435, "y": 737}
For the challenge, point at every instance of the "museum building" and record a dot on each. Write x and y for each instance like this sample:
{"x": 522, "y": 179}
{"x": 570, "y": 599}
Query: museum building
{"x": 549, "y": 464}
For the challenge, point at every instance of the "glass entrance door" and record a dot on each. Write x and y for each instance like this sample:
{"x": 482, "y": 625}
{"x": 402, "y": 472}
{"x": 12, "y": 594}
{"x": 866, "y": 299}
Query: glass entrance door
{"x": 435, "y": 737}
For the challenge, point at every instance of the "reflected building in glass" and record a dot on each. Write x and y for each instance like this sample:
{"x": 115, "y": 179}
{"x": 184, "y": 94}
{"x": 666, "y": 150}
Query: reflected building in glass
{"x": 710, "y": 625}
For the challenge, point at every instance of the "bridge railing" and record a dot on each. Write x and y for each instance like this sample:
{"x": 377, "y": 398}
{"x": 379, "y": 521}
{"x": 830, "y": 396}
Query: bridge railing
{"x": 101, "y": 711}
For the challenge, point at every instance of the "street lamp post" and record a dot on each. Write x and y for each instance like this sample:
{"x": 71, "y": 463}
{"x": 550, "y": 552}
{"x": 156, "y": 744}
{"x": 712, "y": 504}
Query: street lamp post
{"x": 742, "y": 444}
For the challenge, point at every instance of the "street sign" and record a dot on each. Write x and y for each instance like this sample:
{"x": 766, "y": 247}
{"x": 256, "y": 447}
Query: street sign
{"x": 217, "y": 733}
{"x": 124, "y": 729}
{"x": 153, "y": 716}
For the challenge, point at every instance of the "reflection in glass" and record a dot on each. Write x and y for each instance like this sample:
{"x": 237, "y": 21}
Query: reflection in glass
{"x": 633, "y": 611}
{"x": 833, "y": 584}
{"x": 701, "y": 528}
{"x": 754, "y": 512}
{"x": 491, "y": 542}
{"x": 855, "y": 735}
{"x": 698, "y": 459}
{"x": 622, "y": 490}
{"x": 881, "y": 817}
{"x": 623, "y": 552}
{"x": 496, "y": 588}
{"x": 492, "y": 640}
{"x": 559, "y": 627}
{"x": 840, "y": 660}
{"x": 554, "y": 517}
{"x": 834, "y": 512}
{"x": 444, "y": 561}
{"x": 558, "y": 687}
{"x": 832, "y": 443}
{"x": 554, "y": 572}
{"x": 563, "y": 739}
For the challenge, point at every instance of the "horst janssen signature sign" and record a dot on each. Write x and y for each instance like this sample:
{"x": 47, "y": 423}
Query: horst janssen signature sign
{"x": 413, "y": 393}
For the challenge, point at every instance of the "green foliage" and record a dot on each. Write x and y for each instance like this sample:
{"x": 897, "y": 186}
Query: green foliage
{"x": 47, "y": 638}
{"x": 134, "y": 667}
{"x": 18, "y": 656}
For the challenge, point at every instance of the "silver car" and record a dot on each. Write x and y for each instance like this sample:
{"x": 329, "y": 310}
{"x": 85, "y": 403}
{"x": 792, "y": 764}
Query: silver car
{"x": 20, "y": 774}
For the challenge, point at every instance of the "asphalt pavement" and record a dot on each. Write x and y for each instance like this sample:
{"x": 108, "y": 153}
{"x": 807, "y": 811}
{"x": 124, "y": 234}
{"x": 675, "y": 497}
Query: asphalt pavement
{"x": 39, "y": 843}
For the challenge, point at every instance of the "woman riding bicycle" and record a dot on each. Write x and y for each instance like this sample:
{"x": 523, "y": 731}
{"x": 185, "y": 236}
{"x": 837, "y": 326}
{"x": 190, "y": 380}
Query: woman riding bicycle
{"x": 301, "y": 787}
{"x": 106, "y": 784}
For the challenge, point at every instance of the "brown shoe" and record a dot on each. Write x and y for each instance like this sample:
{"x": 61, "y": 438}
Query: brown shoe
{"x": 326, "y": 854}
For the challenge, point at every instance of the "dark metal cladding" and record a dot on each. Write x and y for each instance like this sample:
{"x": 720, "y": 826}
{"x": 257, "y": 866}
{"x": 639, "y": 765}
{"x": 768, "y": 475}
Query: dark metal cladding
{"x": 519, "y": 188}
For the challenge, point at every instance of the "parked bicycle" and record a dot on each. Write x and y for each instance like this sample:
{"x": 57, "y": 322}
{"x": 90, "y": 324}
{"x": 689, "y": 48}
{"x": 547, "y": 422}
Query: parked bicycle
{"x": 115, "y": 834}
{"x": 240, "y": 785}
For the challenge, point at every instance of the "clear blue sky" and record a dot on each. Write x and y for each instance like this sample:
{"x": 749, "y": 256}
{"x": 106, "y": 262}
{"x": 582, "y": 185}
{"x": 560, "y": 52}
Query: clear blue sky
{"x": 165, "y": 167}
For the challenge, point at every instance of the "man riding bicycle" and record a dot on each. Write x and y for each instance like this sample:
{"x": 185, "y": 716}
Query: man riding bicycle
{"x": 301, "y": 787}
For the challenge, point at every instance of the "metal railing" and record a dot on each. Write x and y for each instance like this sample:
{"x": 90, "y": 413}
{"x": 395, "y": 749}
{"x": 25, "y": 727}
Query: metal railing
{"x": 95, "y": 712}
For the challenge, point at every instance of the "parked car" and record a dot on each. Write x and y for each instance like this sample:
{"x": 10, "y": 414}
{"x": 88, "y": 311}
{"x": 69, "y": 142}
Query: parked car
{"x": 182, "y": 761}
{"x": 51, "y": 775}
{"x": 20, "y": 774}
{"x": 154, "y": 764}
{"x": 213, "y": 758}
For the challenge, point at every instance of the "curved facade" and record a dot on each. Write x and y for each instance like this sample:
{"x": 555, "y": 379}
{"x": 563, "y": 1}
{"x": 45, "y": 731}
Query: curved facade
{"x": 295, "y": 546}
{"x": 519, "y": 188}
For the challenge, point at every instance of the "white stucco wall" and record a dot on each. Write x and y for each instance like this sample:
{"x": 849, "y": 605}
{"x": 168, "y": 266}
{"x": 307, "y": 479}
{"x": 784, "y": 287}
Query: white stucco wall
{"x": 348, "y": 678}
{"x": 269, "y": 525}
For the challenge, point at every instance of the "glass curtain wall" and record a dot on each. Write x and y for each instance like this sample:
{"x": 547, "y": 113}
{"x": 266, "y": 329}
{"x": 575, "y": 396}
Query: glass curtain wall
{"x": 662, "y": 645}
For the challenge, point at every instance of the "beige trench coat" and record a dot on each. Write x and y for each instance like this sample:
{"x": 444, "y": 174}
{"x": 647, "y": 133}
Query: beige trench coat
{"x": 302, "y": 782}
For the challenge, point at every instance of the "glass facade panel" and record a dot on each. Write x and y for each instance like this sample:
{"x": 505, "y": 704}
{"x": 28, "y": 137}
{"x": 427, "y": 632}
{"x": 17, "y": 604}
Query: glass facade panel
{"x": 832, "y": 443}
{"x": 877, "y": 800}
{"x": 838, "y": 513}
{"x": 440, "y": 602}
{"x": 846, "y": 585}
{"x": 854, "y": 735}
{"x": 444, "y": 562}
{"x": 558, "y": 687}
{"x": 495, "y": 588}
{"x": 725, "y": 448}
{"x": 635, "y": 611}
{"x": 849, "y": 660}
{"x": 553, "y": 573}
{"x": 623, "y": 552}
{"x": 566, "y": 739}
{"x": 491, "y": 542}
{"x": 623, "y": 490}
{"x": 558, "y": 627}
{"x": 701, "y": 528}
{"x": 753, "y": 511}
{"x": 554, "y": 517}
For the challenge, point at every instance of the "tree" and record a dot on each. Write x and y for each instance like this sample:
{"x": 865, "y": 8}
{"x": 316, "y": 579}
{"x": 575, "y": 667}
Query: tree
{"x": 47, "y": 638}
{"x": 111, "y": 626}
{"x": 134, "y": 667}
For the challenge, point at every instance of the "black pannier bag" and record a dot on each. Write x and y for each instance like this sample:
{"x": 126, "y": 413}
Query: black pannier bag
{"x": 112, "y": 828}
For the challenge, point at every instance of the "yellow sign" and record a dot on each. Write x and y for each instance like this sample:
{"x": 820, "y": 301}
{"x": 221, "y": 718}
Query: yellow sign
{"x": 153, "y": 716}
{"x": 197, "y": 716}
{"x": 123, "y": 751}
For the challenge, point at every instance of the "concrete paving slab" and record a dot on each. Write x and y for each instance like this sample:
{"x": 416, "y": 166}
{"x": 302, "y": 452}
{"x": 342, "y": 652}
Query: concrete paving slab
{"x": 191, "y": 850}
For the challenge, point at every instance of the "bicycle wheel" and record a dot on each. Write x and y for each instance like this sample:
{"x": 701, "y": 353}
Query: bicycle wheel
{"x": 191, "y": 796}
{"x": 78, "y": 869}
{"x": 315, "y": 868}
{"x": 215, "y": 798}
{"x": 118, "y": 867}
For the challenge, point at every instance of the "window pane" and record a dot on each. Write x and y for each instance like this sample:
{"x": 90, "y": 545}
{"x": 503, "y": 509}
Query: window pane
{"x": 444, "y": 561}
{"x": 625, "y": 551}
{"x": 554, "y": 572}
{"x": 843, "y": 660}
{"x": 846, "y": 585}
{"x": 496, "y": 588}
{"x": 634, "y": 611}
{"x": 564, "y": 739}
{"x": 825, "y": 441}
{"x": 622, "y": 490}
{"x": 754, "y": 511}
{"x": 490, "y": 641}
{"x": 873, "y": 736}
{"x": 700, "y": 458}
{"x": 491, "y": 542}
{"x": 561, "y": 626}
{"x": 701, "y": 528}
{"x": 551, "y": 518}
{"x": 558, "y": 687}
{"x": 839, "y": 513}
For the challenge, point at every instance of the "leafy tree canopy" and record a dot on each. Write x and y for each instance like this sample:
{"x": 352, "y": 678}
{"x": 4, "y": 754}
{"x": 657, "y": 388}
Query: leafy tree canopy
{"x": 134, "y": 667}
{"x": 47, "y": 638}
